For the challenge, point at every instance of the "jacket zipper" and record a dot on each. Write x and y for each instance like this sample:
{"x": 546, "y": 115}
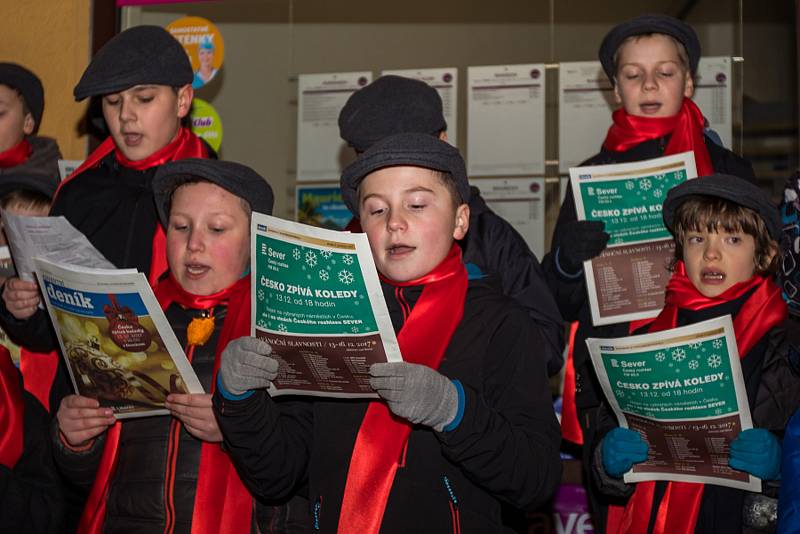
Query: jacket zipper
{"x": 317, "y": 510}
{"x": 453, "y": 502}
{"x": 172, "y": 459}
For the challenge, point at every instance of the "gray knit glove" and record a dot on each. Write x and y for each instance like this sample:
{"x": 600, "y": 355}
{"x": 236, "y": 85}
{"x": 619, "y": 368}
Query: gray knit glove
{"x": 246, "y": 365}
{"x": 416, "y": 393}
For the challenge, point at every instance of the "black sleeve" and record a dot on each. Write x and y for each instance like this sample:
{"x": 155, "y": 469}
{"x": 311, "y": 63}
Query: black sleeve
{"x": 31, "y": 499}
{"x": 79, "y": 468}
{"x": 35, "y": 333}
{"x": 268, "y": 441}
{"x": 506, "y": 254}
{"x": 508, "y": 439}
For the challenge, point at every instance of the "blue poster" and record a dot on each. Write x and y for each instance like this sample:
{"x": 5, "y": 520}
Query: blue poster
{"x": 322, "y": 206}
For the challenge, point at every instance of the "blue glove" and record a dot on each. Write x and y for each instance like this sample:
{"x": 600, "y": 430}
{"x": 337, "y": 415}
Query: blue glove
{"x": 622, "y": 448}
{"x": 756, "y": 451}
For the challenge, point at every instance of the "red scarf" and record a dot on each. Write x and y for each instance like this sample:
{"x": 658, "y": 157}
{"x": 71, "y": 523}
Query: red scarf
{"x": 686, "y": 128}
{"x": 382, "y": 437}
{"x": 570, "y": 427}
{"x": 764, "y": 309}
{"x": 11, "y": 411}
{"x": 222, "y": 504}
{"x": 16, "y": 155}
{"x": 184, "y": 145}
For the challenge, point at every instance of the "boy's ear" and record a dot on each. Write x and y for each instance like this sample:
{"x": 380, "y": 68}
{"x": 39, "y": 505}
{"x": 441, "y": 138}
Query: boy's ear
{"x": 617, "y": 98}
{"x": 185, "y": 96}
{"x": 688, "y": 88}
{"x": 462, "y": 222}
{"x": 29, "y": 124}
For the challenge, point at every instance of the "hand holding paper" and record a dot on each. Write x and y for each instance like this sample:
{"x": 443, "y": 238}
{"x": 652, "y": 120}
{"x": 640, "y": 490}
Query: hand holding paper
{"x": 21, "y": 298}
{"x": 194, "y": 411}
{"x": 756, "y": 451}
{"x": 622, "y": 448}
{"x": 246, "y": 365}
{"x": 81, "y": 419}
{"x": 416, "y": 393}
{"x": 580, "y": 241}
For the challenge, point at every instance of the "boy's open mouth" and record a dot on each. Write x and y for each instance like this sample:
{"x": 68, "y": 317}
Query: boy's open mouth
{"x": 712, "y": 276}
{"x": 649, "y": 108}
{"x": 132, "y": 139}
{"x": 195, "y": 270}
{"x": 399, "y": 250}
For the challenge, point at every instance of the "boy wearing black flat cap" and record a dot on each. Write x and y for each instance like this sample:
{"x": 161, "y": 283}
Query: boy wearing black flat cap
{"x": 726, "y": 233}
{"x": 394, "y": 104}
{"x": 144, "y": 79}
{"x": 651, "y": 61}
{"x": 169, "y": 474}
{"x": 21, "y": 109}
{"x": 464, "y": 424}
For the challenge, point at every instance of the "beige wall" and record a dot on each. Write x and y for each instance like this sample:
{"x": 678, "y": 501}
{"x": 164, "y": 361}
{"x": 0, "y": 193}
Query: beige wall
{"x": 51, "y": 37}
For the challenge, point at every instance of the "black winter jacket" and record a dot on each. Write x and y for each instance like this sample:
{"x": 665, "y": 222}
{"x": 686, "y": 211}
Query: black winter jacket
{"x": 495, "y": 247}
{"x": 505, "y": 449}
{"x": 31, "y": 499}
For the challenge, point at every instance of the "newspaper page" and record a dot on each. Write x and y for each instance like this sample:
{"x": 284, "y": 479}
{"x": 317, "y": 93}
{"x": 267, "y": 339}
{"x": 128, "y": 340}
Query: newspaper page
{"x": 53, "y": 238}
{"x": 117, "y": 343}
{"x": 683, "y": 391}
{"x": 317, "y": 300}
{"x": 626, "y": 282}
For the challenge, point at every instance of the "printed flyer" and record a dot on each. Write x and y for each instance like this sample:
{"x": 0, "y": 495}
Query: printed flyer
{"x": 118, "y": 345}
{"x": 626, "y": 282}
{"x": 317, "y": 300}
{"x": 683, "y": 391}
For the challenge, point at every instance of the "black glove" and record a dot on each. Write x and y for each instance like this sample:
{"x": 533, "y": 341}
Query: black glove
{"x": 580, "y": 241}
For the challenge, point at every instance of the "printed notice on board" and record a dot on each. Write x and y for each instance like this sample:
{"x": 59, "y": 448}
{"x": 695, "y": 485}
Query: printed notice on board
{"x": 317, "y": 300}
{"x": 713, "y": 95}
{"x": 682, "y": 390}
{"x": 445, "y": 81}
{"x": 627, "y": 280}
{"x": 585, "y": 103}
{"x": 521, "y": 202}
{"x": 505, "y": 106}
{"x": 321, "y": 153}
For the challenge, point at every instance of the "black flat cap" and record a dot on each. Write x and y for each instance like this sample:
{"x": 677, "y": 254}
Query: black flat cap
{"x": 29, "y": 86}
{"x": 390, "y": 105}
{"x": 38, "y": 183}
{"x": 665, "y": 24}
{"x": 414, "y": 149}
{"x": 725, "y": 186}
{"x": 236, "y": 178}
{"x": 139, "y": 55}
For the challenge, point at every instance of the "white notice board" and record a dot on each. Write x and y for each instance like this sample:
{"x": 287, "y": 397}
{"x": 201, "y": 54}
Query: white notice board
{"x": 521, "y": 202}
{"x": 712, "y": 93}
{"x": 506, "y": 120}
{"x": 445, "y": 81}
{"x": 321, "y": 153}
{"x": 585, "y": 100}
